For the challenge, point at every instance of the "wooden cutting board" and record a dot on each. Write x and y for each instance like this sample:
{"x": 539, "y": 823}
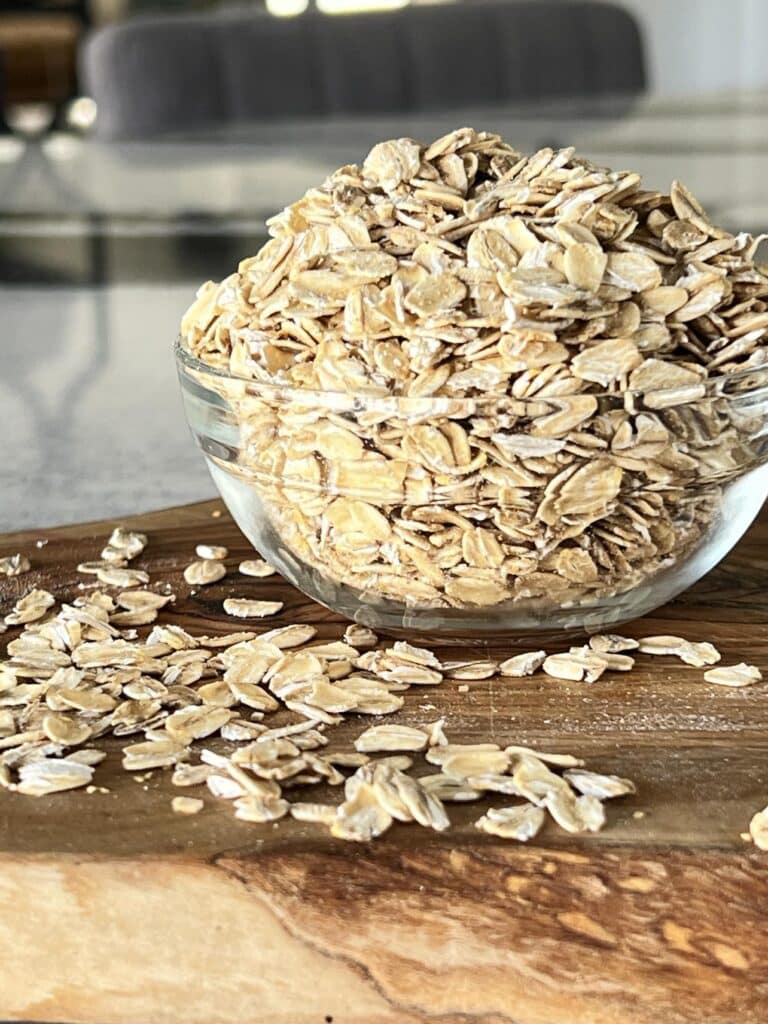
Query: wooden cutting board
{"x": 113, "y": 909}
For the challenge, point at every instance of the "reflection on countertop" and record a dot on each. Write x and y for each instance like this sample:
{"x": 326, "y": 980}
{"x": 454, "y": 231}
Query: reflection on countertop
{"x": 89, "y": 404}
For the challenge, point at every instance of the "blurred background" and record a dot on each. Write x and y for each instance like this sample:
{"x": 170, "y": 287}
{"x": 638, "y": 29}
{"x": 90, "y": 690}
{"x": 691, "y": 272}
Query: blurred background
{"x": 143, "y": 144}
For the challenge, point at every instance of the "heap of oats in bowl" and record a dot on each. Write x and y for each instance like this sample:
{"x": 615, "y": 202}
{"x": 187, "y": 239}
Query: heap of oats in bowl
{"x": 465, "y": 378}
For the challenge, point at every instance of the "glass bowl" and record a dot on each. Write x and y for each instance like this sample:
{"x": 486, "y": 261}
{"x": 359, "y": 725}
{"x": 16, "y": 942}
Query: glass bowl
{"x": 474, "y": 518}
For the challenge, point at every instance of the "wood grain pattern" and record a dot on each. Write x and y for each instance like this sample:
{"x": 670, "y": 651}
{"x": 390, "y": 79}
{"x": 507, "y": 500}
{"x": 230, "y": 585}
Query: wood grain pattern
{"x": 112, "y": 909}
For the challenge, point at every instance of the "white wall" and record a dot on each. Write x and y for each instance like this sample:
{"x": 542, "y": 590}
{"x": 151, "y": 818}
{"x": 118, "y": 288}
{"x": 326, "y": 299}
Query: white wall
{"x": 700, "y": 46}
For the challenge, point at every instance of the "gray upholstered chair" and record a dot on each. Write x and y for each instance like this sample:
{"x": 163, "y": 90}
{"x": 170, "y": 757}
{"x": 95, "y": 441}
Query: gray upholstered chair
{"x": 161, "y": 74}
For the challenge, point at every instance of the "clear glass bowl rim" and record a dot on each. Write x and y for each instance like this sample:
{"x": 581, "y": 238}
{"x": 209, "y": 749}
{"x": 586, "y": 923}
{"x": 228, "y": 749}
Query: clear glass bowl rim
{"x": 720, "y": 386}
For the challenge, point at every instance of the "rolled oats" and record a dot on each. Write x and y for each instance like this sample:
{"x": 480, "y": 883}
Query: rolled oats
{"x": 256, "y": 567}
{"x": 289, "y": 636}
{"x": 618, "y": 662}
{"x": 450, "y": 790}
{"x": 223, "y": 787}
{"x": 579, "y": 664}
{"x": 153, "y": 754}
{"x": 76, "y": 675}
{"x": 471, "y": 670}
{"x": 390, "y": 737}
{"x": 734, "y": 675}
{"x": 52, "y": 775}
{"x": 124, "y": 545}
{"x": 361, "y": 817}
{"x": 115, "y": 576}
{"x": 612, "y": 644}
{"x": 14, "y": 565}
{"x": 191, "y": 774}
{"x": 142, "y": 600}
{"x": 64, "y": 730}
{"x": 30, "y": 608}
{"x": 436, "y": 733}
{"x": 462, "y": 764}
{"x": 211, "y": 552}
{"x": 260, "y": 808}
{"x": 491, "y": 782}
{"x": 186, "y": 805}
{"x": 360, "y": 636}
{"x": 244, "y": 608}
{"x": 758, "y": 829}
{"x": 207, "y": 570}
{"x": 323, "y": 814}
{"x": 520, "y": 665}
{"x": 486, "y": 303}
{"x": 604, "y": 787}
{"x": 697, "y": 654}
{"x": 521, "y": 822}
{"x": 561, "y": 760}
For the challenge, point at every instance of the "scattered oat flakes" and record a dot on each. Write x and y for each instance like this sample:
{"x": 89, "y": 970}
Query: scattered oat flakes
{"x": 260, "y": 809}
{"x": 82, "y": 674}
{"x": 618, "y": 662}
{"x": 579, "y": 664}
{"x": 123, "y": 546}
{"x": 361, "y": 817}
{"x": 115, "y": 576}
{"x": 471, "y": 670}
{"x": 211, "y": 552}
{"x": 522, "y": 664}
{"x": 734, "y": 675}
{"x": 191, "y": 774}
{"x": 360, "y": 636}
{"x": 30, "y": 608}
{"x": 521, "y": 822}
{"x": 60, "y": 728}
{"x": 14, "y": 565}
{"x": 561, "y": 760}
{"x": 697, "y": 654}
{"x": 256, "y": 567}
{"x": 604, "y": 787}
{"x": 436, "y": 733}
{"x": 52, "y": 775}
{"x": 141, "y": 600}
{"x": 156, "y": 753}
{"x": 323, "y": 814}
{"x": 391, "y": 737}
{"x": 700, "y": 654}
{"x": 186, "y": 805}
{"x": 450, "y": 790}
{"x": 244, "y": 608}
{"x": 610, "y": 643}
{"x": 758, "y": 829}
{"x": 200, "y": 574}
{"x": 91, "y": 568}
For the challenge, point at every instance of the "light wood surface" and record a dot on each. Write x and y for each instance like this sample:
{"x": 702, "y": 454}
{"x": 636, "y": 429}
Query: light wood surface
{"x": 113, "y": 910}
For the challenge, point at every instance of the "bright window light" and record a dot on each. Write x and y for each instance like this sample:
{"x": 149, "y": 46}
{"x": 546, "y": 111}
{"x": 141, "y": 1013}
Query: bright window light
{"x": 287, "y": 8}
{"x": 81, "y": 113}
{"x": 356, "y": 6}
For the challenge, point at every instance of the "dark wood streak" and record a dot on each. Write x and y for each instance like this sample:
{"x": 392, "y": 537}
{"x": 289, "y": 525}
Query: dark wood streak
{"x": 542, "y": 934}
{"x": 660, "y": 918}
